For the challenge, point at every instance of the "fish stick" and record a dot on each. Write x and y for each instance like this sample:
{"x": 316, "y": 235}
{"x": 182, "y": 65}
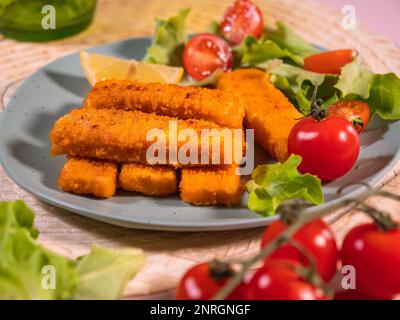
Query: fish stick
{"x": 88, "y": 176}
{"x": 120, "y": 136}
{"x": 168, "y": 100}
{"x": 162, "y": 181}
{"x": 149, "y": 180}
{"x": 211, "y": 186}
{"x": 267, "y": 109}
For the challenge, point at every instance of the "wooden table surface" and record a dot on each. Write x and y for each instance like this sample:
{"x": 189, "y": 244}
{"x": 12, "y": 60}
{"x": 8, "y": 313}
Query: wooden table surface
{"x": 171, "y": 253}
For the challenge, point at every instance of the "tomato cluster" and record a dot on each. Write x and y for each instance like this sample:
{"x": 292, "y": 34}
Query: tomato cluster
{"x": 328, "y": 142}
{"x": 293, "y": 270}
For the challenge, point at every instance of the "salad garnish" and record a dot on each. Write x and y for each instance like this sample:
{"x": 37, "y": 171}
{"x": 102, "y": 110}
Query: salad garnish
{"x": 274, "y": 183}
{"x": 24, "y": 264}
{"x": 281, "y": 52}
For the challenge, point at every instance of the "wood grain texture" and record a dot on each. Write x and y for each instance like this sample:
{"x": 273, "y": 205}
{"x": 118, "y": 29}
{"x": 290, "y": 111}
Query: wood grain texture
{"x": 169, "y": 253}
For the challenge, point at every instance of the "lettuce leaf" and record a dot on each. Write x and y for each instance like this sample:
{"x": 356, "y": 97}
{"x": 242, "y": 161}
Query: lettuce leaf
{"x": 298, "y": 85}
{"x": 380, "y": 91}
{"x": 295, "y": 76}
{"x": 354, "y": 80}
{"x": 22, "y": 260}
{"x": 252, "y": 52}
{"x": 279, "y": 43}
{"x": 275, "y": 183}
{"x": 102, "y": 274}
{"x": 169, "y": 39}
{"x": 384, "y": 96}
{"x": 286, "y": 38}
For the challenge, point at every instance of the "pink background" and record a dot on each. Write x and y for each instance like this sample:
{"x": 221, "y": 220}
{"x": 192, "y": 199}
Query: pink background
{"x": 382, "y": 16}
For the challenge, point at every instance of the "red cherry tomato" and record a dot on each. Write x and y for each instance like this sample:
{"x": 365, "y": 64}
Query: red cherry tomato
{"x": 239, "y": 292}
{"x": 375, "y": 256}
{"x": 328, "y": 62}
{"x": 355, "y": 111}
{"x": 198, "y": 284}
{"x": 329, "y": 147}
{"x": 316, "y": 237}
{"x": 241, "y": 19}
{"x": 278, "y": 280}
{"x": 204, "y": 53}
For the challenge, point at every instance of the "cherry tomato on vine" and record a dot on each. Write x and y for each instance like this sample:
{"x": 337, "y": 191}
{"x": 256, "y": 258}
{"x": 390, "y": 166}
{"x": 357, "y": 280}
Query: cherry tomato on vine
{"x": 328, "y": 62}
{"x": 375, "y": 255}
{"x": 204, "y": 53}
{"x": 204, "y": 280}
{"x": 317, "y": 239}
{"x": 239, "y": 292}
{"x": 241, "y": 19}
{"x": 279, "y": 280}
{"x": 198, "y": 283}
{"x": 329, "y": 147}
{"x": 355, "y": 111}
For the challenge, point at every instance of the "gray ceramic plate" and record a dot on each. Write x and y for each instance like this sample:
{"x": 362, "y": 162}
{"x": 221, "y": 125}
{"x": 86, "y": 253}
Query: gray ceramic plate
{"x": 61, "y": 86}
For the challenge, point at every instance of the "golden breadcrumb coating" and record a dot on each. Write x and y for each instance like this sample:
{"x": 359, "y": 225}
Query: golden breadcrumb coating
{"x": 211, "y": 186}
{"x": 183, "y": 102}
{"x": 88, "y": 176}
{"x": 268, "y": 111}
{"x": 120, "y": 136}
{"x": 149, "y": 180}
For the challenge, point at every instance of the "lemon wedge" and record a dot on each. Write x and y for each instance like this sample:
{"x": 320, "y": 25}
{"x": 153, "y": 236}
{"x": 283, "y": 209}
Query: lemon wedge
{"x": 98, "y": 67}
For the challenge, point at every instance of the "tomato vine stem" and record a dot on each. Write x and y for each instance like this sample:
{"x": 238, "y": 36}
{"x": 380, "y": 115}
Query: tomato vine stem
{"x": 287, "y": 234}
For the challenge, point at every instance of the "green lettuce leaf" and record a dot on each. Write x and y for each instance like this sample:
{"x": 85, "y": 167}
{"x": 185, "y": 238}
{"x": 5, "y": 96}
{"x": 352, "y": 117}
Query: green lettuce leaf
{"x": 252, "y": 52}
{"x": 380, "y": 91}
{"x": 298, "y": 85}
{"x": 23, "y": 262}
{"x": 279, "y": 43}
{"x": 275, "y": 183}
{"x": 286, "y": 38}
{"x": 384, "y": 97}
{"x": 354, "y": 80}
{"x": 169, "y": 39}
{"x": 103, "y": 273}
{"x": 295, "y": 76}
{"x": 27, "y": 269}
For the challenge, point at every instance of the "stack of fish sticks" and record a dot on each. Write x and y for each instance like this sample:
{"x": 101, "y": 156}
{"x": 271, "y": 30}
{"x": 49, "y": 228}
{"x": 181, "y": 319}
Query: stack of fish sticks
{"x": 107, "y": 147}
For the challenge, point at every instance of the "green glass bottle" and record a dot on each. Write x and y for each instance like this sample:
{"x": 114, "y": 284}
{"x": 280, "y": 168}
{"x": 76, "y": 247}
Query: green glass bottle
{"x": 44, "y": 20}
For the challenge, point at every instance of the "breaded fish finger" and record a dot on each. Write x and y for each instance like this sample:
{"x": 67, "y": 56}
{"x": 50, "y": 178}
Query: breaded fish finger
{"x": 168, "y": 100}
{"x": 120, "y": 136}
{"x": 211, "y": 186}
{"x": 88, "y": 176}
{"x": 267, "y": 109}
{"x": 149, "y": 180}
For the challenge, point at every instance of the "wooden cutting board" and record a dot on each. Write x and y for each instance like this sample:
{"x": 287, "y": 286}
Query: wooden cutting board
{"x": 171, "y": 253}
